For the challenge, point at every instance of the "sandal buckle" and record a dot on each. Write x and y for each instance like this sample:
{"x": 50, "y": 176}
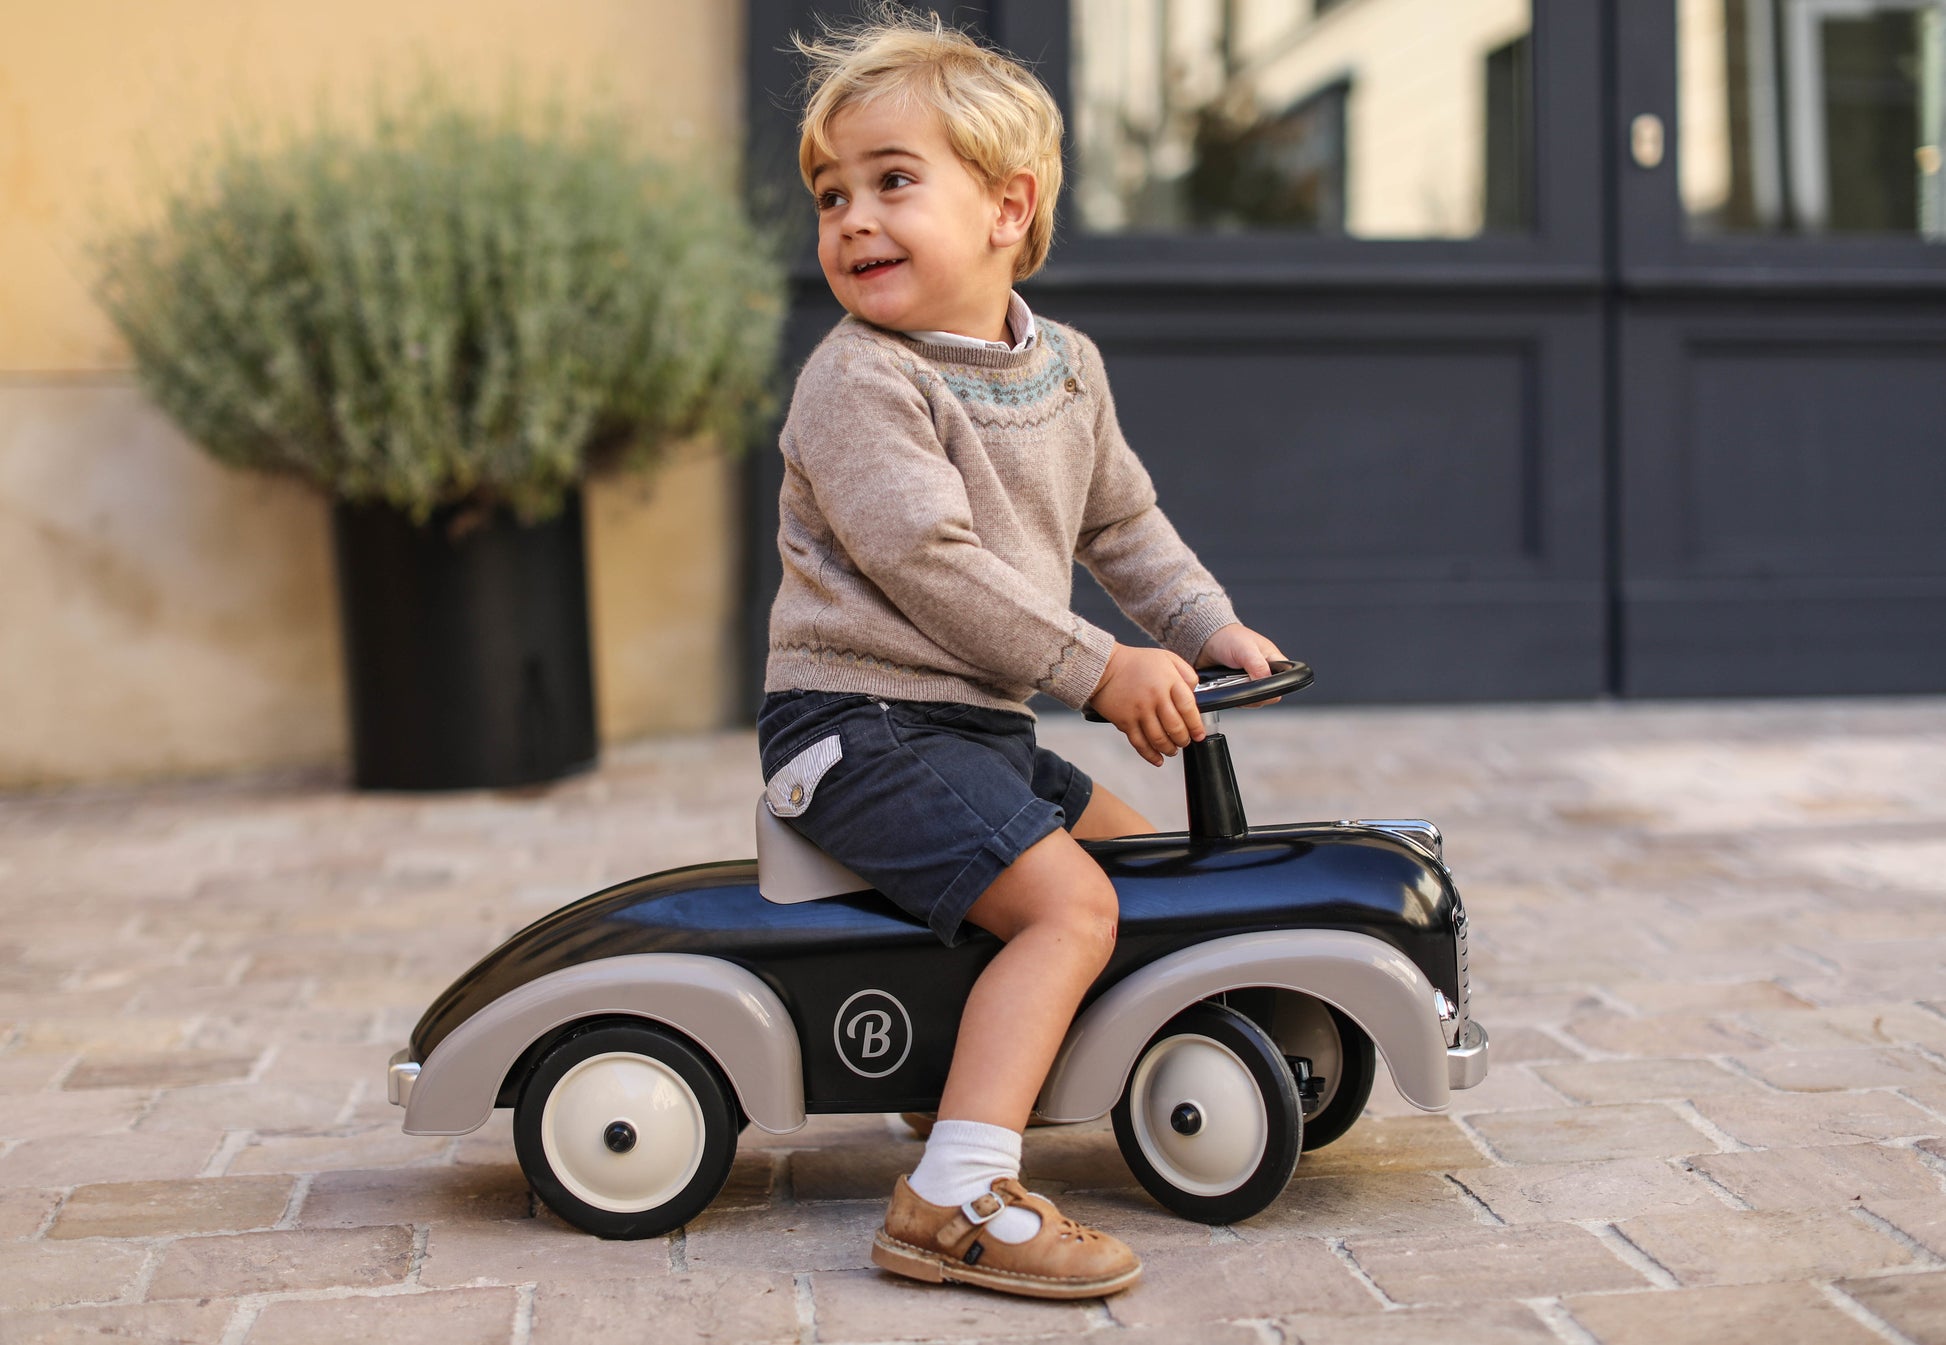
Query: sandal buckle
{"x": 973, "y": 1209}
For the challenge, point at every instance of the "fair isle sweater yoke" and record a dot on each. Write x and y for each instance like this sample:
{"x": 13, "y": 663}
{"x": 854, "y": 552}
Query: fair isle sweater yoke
{"x": 935, "y": 498}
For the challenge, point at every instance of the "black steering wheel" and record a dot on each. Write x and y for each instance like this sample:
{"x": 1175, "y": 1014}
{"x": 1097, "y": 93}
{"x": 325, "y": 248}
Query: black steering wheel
{"x": 1233, "y": 688}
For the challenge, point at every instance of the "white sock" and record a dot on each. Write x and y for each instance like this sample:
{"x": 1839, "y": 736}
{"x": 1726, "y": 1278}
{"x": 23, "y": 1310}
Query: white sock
{"x": 963, "y": 1159}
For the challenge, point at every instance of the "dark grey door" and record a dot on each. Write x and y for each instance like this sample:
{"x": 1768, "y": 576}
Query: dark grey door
{"x": 1781, "y": 404}
{"x": 1440, "y": 372}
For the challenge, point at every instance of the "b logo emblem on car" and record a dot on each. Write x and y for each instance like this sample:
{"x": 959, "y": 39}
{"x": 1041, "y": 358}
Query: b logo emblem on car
{"x": 873, "y": 1033}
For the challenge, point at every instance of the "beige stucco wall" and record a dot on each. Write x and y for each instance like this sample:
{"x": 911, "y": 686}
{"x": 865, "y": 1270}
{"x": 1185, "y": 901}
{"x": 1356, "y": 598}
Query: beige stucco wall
{"x": 160, "y": 615}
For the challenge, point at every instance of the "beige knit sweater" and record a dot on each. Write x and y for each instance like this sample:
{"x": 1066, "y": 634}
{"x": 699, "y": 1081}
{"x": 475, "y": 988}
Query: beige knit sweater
{"x": 935, "y": 498}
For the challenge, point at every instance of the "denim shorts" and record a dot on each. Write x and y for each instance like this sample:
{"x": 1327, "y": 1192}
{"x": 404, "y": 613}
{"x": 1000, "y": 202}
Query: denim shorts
{"x": 926, "y": 800}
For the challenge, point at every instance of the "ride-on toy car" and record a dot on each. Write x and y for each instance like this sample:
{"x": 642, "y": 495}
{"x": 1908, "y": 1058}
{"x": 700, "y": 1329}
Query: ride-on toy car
{"x": 1258, "y": 973}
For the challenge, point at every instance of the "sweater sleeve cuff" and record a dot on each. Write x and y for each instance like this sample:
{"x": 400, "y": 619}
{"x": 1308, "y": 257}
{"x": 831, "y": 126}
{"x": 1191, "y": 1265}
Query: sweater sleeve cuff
{"x": 1200, "y": 618}
{"x": 1081, "y": 665}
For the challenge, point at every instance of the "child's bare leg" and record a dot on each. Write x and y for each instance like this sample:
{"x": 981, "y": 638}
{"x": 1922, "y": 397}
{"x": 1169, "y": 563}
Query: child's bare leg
{"x": 1056, "y": 911}
{"x": 1107, "y": 816}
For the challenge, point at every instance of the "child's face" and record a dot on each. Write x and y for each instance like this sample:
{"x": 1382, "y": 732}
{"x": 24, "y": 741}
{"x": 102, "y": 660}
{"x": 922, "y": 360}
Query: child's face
{"x": 909, "y": 236}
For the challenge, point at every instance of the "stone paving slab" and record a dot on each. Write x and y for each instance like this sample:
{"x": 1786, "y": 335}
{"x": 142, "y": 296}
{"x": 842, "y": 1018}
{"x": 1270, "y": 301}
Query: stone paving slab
{"x": 1709, "y": 942}
{"x": 1912, "y": 1305}
{"x": 1753, "y": 1247}
{"x": 1818, "y": 1176}
{"x": 283, "y": 1261}
{"x": 1740, "y": 1315}
{"x": 1476, "y": 1324}
{"x": 453, "y": 1317}
{"x": 1521, "y": 1262}
{"x": 158, "y": 1209}
{"x": 1604, "y": 1190}
{"x": 735, "y": 1307}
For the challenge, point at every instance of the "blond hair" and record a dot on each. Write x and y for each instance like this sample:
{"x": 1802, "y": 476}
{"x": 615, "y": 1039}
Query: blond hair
{"x": 998, "y": 117}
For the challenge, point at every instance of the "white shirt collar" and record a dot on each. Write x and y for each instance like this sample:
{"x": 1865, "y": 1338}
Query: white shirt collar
{"x": 1020, "y": 322}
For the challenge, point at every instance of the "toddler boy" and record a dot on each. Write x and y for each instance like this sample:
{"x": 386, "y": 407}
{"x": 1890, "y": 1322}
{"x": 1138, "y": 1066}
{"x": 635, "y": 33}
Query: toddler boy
{"x": 948, "y": 456}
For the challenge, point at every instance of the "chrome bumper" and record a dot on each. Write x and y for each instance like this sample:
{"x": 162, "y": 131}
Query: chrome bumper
{"x": 400, "y": 1075}
{"x": 1466, "y": 1063}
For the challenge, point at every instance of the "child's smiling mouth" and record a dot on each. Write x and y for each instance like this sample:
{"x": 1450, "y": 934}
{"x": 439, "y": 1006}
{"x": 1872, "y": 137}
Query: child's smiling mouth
{"x": 876, "y": 266}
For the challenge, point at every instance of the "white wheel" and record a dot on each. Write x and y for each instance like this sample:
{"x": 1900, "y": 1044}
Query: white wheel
{"x": 625, "y": 1129}
{"x": 1209, "y": 1122}
{"x": 1197, "y": 1115}
{"x": 622, "y": 1132}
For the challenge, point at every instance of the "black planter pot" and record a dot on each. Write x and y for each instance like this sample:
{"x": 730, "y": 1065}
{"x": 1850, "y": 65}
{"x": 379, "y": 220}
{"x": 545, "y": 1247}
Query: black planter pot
{"x": 466, "y": 647}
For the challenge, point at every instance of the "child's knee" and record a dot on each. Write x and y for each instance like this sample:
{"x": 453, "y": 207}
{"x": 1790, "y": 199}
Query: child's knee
{"x": 1092, "y": 916}
{"x": 1054, "y": 889}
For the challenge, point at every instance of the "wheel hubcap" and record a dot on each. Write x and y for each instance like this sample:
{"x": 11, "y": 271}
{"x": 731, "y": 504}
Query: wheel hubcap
{"x": 622, "y": 1132}
{"x": 1198, "y": 1115}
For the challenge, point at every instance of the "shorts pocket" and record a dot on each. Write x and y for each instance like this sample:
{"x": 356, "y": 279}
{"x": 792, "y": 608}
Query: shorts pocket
{"x": 790, "y": 788}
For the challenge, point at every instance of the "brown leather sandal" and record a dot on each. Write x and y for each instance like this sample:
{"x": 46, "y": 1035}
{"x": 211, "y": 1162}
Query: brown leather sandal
{"x": 938, "y": 1243}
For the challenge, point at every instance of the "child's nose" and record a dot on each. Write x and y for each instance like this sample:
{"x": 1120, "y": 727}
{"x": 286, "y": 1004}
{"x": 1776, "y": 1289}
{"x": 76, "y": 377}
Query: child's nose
{"x": 858, "y": 217}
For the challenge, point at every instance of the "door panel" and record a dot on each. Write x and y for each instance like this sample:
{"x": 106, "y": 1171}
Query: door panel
{"x": 1764, "y": 490}
{"x": 1782, "y": 341}
{"x": 1783, "y": 485}
{"x": 1351, "y": 480}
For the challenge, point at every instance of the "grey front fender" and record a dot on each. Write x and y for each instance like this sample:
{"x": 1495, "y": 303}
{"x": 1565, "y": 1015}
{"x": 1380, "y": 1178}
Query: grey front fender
{"x": 1371, "y": 982}
{"x": 724, "y": 1009}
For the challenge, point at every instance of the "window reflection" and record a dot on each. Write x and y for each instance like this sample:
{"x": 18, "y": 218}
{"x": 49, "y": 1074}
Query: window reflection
{"x": 1813, "y": 116}
{"x": 1370, "y": 118}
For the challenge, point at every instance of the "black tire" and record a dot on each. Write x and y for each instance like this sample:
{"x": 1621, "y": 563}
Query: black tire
{"x": 1345, "y": 1069}
{"x": 667, "y": 1165}
{"x": 1247, "y": 1125}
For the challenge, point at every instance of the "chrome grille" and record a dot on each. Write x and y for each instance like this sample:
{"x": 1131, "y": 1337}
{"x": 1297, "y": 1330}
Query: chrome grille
{"x": 1465, "y": 984}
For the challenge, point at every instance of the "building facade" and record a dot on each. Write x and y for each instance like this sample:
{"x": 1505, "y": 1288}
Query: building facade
{"x": 1486, "y": 348}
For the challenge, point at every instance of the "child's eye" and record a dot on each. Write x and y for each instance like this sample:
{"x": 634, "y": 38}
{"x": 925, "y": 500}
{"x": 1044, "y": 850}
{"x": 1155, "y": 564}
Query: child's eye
{"x": 895, "y": 180}
{"x": 829, "y": 200}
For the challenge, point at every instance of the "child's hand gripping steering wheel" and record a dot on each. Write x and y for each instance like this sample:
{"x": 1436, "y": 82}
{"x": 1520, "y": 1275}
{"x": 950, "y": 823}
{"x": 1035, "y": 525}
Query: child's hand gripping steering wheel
{"x": 1215, "y": 807}
{"x": 1232, "y": 688}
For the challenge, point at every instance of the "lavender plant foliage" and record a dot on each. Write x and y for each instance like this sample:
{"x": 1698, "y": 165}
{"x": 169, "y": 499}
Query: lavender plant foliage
{"x": 449, "y": 305}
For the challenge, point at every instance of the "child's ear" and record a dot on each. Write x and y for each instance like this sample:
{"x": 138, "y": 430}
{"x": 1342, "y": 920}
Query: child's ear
{"x": 1014, "y": 203}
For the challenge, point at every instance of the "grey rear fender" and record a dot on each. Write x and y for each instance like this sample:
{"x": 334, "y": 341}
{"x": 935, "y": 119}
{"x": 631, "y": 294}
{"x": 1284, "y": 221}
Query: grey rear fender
{"x": 733, "y": 1016}
{"x": 1371, "y": 982}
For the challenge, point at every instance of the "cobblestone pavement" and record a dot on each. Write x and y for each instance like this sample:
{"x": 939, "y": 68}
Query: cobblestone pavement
{"x": 1708, "y": 942}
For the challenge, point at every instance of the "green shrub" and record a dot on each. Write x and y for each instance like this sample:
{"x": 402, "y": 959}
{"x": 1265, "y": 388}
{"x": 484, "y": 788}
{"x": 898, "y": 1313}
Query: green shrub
{"x": 453, "y": 306}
